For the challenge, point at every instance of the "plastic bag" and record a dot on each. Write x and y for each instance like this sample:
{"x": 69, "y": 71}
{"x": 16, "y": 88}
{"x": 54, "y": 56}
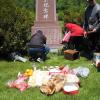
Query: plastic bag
{"x": 81, "y": 71}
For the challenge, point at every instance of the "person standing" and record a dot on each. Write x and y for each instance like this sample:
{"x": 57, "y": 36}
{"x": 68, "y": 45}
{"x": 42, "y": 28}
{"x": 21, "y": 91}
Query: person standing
{"x": 92, "y": 25}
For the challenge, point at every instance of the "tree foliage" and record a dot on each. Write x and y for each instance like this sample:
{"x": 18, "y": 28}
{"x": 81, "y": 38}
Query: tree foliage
{"x": 71, "y": 10}
{"x": 28, "y": 4}
{"x": 15, "y": 24}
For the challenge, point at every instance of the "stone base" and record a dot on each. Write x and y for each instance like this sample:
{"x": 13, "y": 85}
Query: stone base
{"x": 53, "y": 34}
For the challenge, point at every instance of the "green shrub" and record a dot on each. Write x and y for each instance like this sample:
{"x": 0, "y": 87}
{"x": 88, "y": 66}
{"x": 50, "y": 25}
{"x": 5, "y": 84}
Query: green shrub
{"x": 15, "y": 26}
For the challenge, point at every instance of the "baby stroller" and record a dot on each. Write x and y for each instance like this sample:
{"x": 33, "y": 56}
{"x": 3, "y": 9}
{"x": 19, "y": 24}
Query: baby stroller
{"x": 73, "y": 38}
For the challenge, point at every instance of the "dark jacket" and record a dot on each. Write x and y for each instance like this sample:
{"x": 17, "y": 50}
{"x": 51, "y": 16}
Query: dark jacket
{"x": 37, "y": 40}
{"x": 92, "y": 17}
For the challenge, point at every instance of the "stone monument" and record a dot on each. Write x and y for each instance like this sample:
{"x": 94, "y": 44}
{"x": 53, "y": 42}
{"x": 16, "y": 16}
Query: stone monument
{"x": 46, "y": 21}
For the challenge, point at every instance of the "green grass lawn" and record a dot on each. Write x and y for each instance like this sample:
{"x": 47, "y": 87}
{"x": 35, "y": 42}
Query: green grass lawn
{"x": 89, "y": 90}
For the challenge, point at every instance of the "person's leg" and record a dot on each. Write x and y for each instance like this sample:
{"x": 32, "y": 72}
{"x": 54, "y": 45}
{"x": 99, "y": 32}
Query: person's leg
{"x": 47, "y": 49}
{"x": 71, "y": 44}
{"x": 44, "y": 52}
{"x": 97, "y": 48}
{"x": 92, "y": 41}
{"x": 93, "y": 38}
{"x": 77, "y": 41}
{"x": 33, "y": 53}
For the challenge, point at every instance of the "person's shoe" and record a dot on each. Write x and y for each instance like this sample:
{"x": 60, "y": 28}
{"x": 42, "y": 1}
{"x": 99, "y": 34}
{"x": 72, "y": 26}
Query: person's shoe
{"x": 39, "y": 60}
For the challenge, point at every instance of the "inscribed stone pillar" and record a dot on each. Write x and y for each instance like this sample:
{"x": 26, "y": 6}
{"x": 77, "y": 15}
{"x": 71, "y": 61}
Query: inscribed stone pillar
{"x": 46, "y": 21}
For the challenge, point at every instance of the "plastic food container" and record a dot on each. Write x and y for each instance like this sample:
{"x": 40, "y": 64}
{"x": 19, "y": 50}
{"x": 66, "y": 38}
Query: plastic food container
{"x": 71, "y": 89}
